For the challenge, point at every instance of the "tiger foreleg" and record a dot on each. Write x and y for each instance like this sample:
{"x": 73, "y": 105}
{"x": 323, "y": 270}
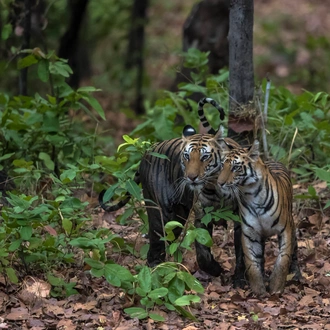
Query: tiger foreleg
{"x": 205, "y": 259}
{"x": 253, "y": 249}
{"x": 239, "y": 275}
{"x": 156, "y": 253}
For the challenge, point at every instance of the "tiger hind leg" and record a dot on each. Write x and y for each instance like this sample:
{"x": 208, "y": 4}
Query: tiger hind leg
{"x": 156, "y": 219}
{"x": 294, "y": 266}
{"x": 284, "y": 261}
{"x": 279, "y": 274}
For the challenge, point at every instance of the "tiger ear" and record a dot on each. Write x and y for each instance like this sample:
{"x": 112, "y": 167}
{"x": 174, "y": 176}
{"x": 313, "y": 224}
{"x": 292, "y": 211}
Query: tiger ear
{"x": 224, "y": 146}
{"x": 220, "y": 133}
{"x": 253, "y": 151}
{"x": 188, "y": 130}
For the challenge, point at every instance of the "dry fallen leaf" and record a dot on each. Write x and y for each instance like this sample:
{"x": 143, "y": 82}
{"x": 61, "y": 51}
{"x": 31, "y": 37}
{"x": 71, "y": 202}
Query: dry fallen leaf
{"x": 18, "y": 314}
{"x": 33, "y": 289}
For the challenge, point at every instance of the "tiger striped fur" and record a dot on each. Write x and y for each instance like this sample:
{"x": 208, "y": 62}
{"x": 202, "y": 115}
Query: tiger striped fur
{"x": 169, "y": 186}
{"x": 263, "y": 191}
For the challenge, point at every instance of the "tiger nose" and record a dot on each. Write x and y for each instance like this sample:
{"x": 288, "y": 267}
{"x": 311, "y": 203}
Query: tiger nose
{"x": 192, "y": 177}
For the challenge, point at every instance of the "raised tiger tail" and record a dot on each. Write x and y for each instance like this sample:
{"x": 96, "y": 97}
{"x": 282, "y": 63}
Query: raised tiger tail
{"x": 201, "y": 114}
{"x": 122, "y": 203}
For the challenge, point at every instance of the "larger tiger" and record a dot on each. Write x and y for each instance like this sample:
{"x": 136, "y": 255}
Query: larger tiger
{"x": 191, "y": 169}
{"x": 263, "y": 191}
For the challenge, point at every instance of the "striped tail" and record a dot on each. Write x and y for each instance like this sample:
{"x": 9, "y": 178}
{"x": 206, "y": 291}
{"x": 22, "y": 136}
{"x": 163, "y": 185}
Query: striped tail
{"x": 115, "y": 207}
{"x": 122, "y": 203}
{"x": 201, "y": 114}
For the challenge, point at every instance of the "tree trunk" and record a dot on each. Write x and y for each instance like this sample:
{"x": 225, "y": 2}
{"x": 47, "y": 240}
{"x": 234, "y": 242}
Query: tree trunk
{"x": 206, "y": 29}
{"x": 25, "y": 45}
{"x": 134, "y": 58}
{"x": 241, "y": 75}
{"x": 70, "y": 47}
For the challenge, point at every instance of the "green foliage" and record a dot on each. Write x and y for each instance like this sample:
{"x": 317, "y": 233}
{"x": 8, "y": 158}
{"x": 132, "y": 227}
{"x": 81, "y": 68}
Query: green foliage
{"x": 164, "y": 285}
{"x": 287, "y": 112}
{"x": 38, "y": 231}
{"x": 60, "y": 287}
{"x": 223, "y": 213}
{"x": 301, "y": 122}
{"x": 300, "y": 134}
{"x": 48, "y": 156}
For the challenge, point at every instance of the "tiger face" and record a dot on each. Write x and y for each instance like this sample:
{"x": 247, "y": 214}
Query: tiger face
{"x": 238, "y": 166}
{"x": 200, "y": 159}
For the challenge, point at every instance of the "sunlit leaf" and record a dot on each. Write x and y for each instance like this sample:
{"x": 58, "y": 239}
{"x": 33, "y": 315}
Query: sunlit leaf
{"x": 95, "y": 105}
{"x": 47, "y": 160}
{"x": 157, "y": 293}
{"x": 67, "y": 225}
{"x": 144, "y": 278}
{"x": 172, "y": 225}
{"x": 134, "y": 189}
{"x": 187, "y": 300}
{"x": 137, "y": 312}
{"x": 156, "y": 317}
{"x": 26, "y": 62}
{"x": 115, "y": 274}
{"x": 203, "y": 237}
{"x": 26, "y": 233}
{"x": 191, "y": 282}
{"x": 43, "y": 70}
{"x": 12, "y": 275}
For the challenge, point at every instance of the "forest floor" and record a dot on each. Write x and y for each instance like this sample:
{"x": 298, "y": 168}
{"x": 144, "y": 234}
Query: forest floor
{"x": 304, "y": 305}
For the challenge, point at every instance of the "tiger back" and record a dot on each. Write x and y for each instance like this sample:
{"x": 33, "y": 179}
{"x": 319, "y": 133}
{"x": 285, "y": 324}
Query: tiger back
{"x": 264, "y": 195}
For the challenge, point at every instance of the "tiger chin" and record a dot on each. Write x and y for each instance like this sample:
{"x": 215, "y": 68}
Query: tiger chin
{"x": 263, "y": 191}
{"x": 170, "y": 186}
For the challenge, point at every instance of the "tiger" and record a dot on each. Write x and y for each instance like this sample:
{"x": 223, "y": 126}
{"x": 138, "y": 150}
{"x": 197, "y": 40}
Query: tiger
{"x": 263, "y": 191}
{"x": 170, "y": 186}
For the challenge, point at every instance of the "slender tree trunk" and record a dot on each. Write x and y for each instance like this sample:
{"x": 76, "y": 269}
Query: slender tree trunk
{"x": 135, "y": 56}
{"x": 70, "y": 46}
{"x": 213, "y": 17}
{"x": 25, "y": 45}
{"x": 241, "y": 74}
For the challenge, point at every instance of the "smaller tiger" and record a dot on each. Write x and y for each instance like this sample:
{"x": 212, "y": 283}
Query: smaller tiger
{"x": 263, "y": 191}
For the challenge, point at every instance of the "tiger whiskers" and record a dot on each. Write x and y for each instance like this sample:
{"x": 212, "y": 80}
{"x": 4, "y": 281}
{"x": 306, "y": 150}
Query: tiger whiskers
{"x": 178, "y": 186}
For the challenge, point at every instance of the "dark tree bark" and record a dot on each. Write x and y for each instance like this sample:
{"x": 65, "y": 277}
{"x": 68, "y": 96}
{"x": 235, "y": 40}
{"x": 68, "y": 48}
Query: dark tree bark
{"x": 241, "y": 74}
{"x": 25, "y": 45}
{"x": 206, "y": 29}
{"x": 135, "y": 50}
{"x": 70, "y": 48}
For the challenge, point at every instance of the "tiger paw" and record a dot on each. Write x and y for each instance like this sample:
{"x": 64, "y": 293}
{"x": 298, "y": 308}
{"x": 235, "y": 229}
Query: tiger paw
{"x": 276, "y": 287}
{"x": 259, "y": 290}
{"x": 213, "y": 268}
{"x": 239, "y": 282}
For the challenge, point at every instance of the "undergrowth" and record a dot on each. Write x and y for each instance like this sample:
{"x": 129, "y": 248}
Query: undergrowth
{"x": 48, "y": 156}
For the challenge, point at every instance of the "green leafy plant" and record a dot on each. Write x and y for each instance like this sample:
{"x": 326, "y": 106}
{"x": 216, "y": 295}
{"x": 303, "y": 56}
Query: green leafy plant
{"x": 47, "y": 156}
{"x": 165, "y": 285}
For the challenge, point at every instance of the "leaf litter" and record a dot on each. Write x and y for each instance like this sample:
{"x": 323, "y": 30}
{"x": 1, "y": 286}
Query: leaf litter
{"x": 98, "y": 305}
